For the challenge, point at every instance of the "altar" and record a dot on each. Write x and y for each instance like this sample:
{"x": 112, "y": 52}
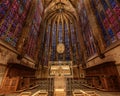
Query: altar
{"x": 60, "y": 70}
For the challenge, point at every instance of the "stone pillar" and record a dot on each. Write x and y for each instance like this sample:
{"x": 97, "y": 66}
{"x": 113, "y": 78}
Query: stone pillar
{"x": 41, "y": 30}
{"x": 95, "y": 27}
{"x": 23, "y": 39}
{"x": 39, "y": 63}
{"x": 82, "y": 45}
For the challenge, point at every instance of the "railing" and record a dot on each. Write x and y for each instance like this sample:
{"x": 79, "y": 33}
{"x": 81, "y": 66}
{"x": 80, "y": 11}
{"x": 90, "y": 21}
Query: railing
{"x": 72, "y": 84}
{"x": 48, "y": 85}
{"x": 51, "y": 87}
{"x": 45, "y": 87}
{"x": 73, "y": 88}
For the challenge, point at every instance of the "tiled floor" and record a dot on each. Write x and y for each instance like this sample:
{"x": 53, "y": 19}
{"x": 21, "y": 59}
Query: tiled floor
{"x": 98, "y": 92}
{"x": 108, "y": 93}
{"x": 101, "y": 93}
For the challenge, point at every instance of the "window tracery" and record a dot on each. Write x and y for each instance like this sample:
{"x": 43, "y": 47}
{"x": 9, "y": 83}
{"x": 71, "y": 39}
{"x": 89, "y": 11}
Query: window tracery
{"x": 33, "y": 34}
{"x": 108, "y": 17}
{"x": 87, "y": 34}
{"x": 12, "y": 16}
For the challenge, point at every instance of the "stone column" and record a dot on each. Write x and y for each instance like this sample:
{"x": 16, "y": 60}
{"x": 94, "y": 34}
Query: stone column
{"x": 95, "y": 28}
{"x": 82, "y": 45}
{"x": 41, "y": 30}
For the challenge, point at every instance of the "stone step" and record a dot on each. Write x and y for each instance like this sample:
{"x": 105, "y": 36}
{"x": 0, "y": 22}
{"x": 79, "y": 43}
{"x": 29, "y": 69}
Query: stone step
{"x": 78, "y": 92}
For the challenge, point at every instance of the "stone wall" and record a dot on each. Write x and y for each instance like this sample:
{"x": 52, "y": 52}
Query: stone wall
{"x": 111, "y": 54}
{"x": 8, "y": 55}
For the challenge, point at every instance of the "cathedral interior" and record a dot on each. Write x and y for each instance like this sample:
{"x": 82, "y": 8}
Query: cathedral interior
{"x": 59, "y": 47}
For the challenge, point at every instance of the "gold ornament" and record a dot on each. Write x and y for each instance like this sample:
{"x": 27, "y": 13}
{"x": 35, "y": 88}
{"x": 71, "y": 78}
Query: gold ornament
{"x": 60, "y": 48}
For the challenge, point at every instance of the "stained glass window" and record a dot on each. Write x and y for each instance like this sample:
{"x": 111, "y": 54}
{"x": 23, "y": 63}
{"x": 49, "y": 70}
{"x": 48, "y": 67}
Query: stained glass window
{"x": 87, "y": 34}
{"x": 108, "y": 17}
{"x": 53, "y": 47}
{"x": 33, "y": 34}
{"x": 4, "y": 7}
{"x": 73, "y": 43}
{"x": 67, "y": 42}
{"x": 60, "y": 33}
{"x": 60, "y": 38}
{"x": 12, "y": 17}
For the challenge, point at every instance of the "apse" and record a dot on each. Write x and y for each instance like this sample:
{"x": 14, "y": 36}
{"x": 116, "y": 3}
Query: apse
{"x": 60, "y": 29}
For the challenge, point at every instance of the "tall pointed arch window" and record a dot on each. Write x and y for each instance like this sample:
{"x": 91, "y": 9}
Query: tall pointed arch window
{"x": 87, "y": 34}
{"x": 67, "y": 42}
{"x": 54, "y": 40}
{"x": 60, "y": 33}
{"x": 60, "y": 37}
{"x": 33, "y": 34}
{"x": 73, "y": 42}
{"x": 108, "y": 17}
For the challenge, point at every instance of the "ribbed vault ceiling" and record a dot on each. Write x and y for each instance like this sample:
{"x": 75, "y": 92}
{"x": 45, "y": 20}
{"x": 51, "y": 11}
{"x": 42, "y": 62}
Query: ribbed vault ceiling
{"x": 68, "y": 5}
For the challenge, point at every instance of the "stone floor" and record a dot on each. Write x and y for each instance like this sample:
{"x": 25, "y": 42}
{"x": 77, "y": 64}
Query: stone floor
{"x": 108, "y": 93}
{"x": 101, "y": 93}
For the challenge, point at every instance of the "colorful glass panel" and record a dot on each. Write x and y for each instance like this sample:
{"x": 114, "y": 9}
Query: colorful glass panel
{"x": 87, "y": 33}
{"x": 12, "y": 20}
{"x": 108, "y": 18}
